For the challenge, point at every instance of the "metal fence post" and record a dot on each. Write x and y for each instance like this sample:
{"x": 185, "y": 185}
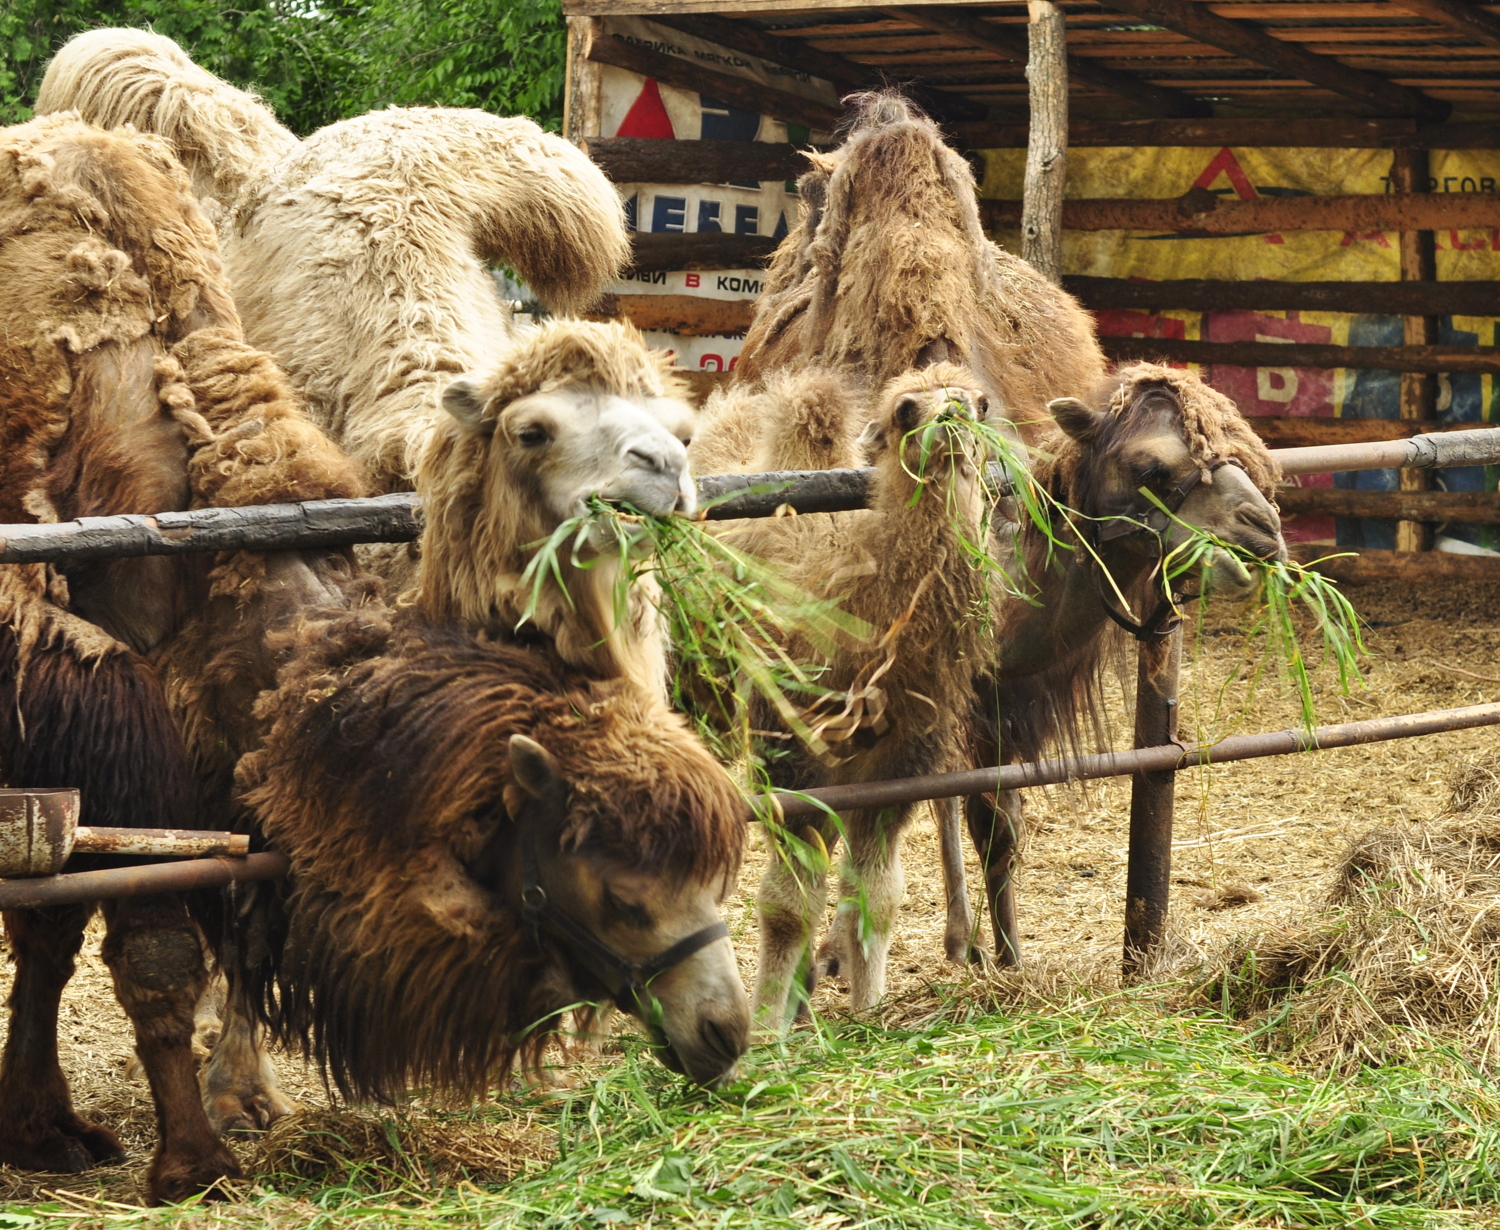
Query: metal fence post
{"x": 1148, "y": 879}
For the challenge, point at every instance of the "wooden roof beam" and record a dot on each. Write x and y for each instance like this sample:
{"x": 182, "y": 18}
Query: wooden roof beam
{"x": 1467, "y": 19}
{"x": 792, "y": 52}
{"x": 1013, "y": 45}
{"x": 1198, "y": 22}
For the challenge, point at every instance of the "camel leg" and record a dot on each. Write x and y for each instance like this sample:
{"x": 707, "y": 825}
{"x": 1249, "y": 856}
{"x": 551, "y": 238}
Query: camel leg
{"x": 792, "y": 898}
{"x": 154, "y": 953}
{"x": 958, "y": 935}
{"x": 38, "y": 1127}
{"x": 240, "y": 1092}
{"x": 873, "y": 885}
{"x": 997, "y": 828}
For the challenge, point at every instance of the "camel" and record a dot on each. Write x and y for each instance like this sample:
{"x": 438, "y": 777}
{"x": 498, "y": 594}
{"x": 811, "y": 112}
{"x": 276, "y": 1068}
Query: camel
{"x": 574, "y": 410}
{"x": 932, "y": 643}
{"x": 125, "y": 386}
{"x": 546, "y": 838}
{"x": 361, "y": 256}
{"x": 888, "y": 269}
{"x": 1162, "y": 429}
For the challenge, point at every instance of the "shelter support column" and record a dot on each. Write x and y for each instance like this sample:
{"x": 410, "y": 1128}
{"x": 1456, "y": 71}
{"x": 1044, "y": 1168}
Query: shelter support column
{"x": 1410, "y": 169}
{"x": 1047, "y": 148}
{"x": 583, "y": 95}
{"x": 1148, "y": 875}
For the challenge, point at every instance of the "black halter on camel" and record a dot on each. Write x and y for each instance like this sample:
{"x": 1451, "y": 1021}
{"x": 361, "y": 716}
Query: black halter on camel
{"x": 1155, "y": 520}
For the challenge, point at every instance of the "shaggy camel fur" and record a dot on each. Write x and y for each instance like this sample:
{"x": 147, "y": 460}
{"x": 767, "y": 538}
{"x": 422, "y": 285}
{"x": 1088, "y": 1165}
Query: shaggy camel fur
{"x": 404, "y": 954}
{"x": 125, "y": 387}
{"x": 1159, "y": 426}
{"x": 888, "y": 269}
{"x": 360, "y": 257}
{"x": 575, "y": 410}
{"x": 924, "y": 663}
{"x": 225, "y": 137}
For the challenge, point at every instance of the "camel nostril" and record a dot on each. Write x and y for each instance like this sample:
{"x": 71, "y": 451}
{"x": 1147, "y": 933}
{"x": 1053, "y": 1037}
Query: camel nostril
{"x": 723, "y": 1040}
{"x": 652, "y": 461}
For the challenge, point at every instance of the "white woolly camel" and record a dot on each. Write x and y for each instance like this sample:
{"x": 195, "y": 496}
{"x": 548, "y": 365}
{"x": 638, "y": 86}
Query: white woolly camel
{"x": 361, "y": 256}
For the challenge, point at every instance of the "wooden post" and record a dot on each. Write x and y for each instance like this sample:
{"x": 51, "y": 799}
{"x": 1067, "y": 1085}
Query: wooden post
{"x": 582, "y": 96}
{"x": 1410, "y": 169}
{"x": 1047, "y": 148}
{"x": 1148, "y": 875}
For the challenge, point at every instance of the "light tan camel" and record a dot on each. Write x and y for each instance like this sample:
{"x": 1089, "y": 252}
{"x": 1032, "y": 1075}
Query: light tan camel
{"x": 901, "y": 565}
{"x": 361, "y": 257}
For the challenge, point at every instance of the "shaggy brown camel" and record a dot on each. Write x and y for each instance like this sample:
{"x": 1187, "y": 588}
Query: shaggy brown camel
{"x": 546, "y": 838}
{"x": 361, "y": 256}
{"x": 1162, "y": 429}
{"x": 125, "y": 387}
{"x": 902, "y": 566}
{"x": 888, "y": 269}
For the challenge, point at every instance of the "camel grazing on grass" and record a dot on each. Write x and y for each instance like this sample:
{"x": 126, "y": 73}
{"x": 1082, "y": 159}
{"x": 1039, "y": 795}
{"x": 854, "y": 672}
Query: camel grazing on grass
{"x": 546, "y": 838}
{"x": 125, "y": 387}
{"x": 888, "y": 269}
{"x": 360, "y": 257}
{"x": 902, "y": 566}
{"x": 1162, "y": 429}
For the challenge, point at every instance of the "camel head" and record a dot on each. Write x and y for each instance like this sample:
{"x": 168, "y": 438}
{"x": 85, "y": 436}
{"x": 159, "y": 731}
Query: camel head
{"x": 665, "y": 922}
{"x": 575, "y": 410}
{"x": 917, "y": 437}
{"x": 1171, "y": 434}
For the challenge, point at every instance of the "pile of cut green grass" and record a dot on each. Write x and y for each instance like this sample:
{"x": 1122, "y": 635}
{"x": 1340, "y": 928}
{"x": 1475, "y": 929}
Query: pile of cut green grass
{"x": 1110, "y": 1114}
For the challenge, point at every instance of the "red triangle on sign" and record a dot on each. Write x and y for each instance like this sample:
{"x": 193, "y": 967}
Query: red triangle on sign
{"x": 647, "y": 116}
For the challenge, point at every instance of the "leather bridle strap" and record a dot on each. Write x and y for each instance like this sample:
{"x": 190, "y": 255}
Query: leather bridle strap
{"x": 1164, "y": 619}
{"x": 621, "y": 976}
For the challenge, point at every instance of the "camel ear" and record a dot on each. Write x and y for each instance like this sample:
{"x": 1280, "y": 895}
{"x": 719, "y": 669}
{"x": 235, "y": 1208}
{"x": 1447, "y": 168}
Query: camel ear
{"x": 1076, "y": 419}
{"x": 536, "y": 772}
{"x": 462, "y": 400}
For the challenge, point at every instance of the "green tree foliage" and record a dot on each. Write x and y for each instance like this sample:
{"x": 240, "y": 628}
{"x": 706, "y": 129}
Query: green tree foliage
{"x": 320, "y": 62}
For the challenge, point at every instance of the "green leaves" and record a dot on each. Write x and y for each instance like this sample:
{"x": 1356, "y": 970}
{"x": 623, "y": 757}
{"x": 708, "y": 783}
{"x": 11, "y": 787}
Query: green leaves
{"x": 316, "y": 63}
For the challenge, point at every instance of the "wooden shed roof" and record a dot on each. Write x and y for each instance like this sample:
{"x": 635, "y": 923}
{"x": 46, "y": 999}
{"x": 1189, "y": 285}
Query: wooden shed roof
{"x": 1131, "y": 59}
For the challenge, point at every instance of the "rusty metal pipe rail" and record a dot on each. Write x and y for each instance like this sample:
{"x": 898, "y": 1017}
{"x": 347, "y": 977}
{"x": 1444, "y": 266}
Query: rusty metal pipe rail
{"x": 1170, "y": 757}
{"x": 397, "y": 518}
{"x": 216, "y": 872}
{"x": 141, "y": 881}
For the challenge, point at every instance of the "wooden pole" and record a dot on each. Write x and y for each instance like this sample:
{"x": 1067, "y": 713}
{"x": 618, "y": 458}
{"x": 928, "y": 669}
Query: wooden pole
{"x": 1148, "y": 874}
{"x": 1047, "y": 148}
{"x": 582, "y": 96}
{"x": 1410, "y": 169}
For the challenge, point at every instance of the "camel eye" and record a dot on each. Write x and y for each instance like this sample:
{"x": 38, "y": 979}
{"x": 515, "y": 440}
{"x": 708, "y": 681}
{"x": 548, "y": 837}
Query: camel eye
{"x": 632, "y": 915}
{"x": 982, "y": 407}
{"x": 907, "y": 410}
{"x": 533, "y": 436}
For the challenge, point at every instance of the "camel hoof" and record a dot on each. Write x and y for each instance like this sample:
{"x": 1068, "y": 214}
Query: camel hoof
{"x": 62, "y": 1148}
{"x": 235, "y": 1114}
{"x": 172, "y": 1180}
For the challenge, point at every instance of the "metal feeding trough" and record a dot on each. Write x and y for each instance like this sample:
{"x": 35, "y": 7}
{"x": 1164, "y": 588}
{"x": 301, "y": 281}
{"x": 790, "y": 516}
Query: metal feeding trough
{"x": 39, "y": 831}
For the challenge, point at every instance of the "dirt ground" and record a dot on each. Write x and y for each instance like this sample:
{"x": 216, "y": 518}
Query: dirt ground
{"x": 1275, "y": 826}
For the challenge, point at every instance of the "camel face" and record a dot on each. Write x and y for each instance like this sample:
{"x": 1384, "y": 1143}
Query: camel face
{"x": 1145, "y": 446}
{"x": 907, "y": 411}
{"x": 695, "y": 1008}
{"x": 569, "y": 444}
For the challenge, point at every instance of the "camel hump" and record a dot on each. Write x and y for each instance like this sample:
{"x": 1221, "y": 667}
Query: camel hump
{"x": 225, "y": 136}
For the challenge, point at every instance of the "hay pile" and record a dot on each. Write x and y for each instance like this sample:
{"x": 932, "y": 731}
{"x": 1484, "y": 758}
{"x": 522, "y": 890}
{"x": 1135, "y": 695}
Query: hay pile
{"x": 344, "y": 1145}
{"x": 1406, "y": 954}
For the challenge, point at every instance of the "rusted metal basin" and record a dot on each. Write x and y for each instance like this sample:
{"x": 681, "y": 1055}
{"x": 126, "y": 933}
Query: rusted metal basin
{"x": 36, "y": 830}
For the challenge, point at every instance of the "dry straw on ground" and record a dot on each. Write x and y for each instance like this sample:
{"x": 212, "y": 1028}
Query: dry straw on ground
{"x": 338, "y": 1143}
{"x": 1407, "y": 951}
